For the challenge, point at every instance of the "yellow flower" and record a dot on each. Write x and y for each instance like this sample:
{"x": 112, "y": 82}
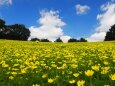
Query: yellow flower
{"x": 89, "y": 73}
{"x": 34, "y": 67}
{"x": 17, "y": 54}
{"x": 5, "y": 65}
{"x": 37, "y": 63}
{"x": 14, "y": 73}
{"x": 72, "y": 81}
{"x": 44, "y": 75}
{"x": 106, "y": 85}
{"x": 35, "y": 85}
{"x": 43, "y": 64}
{"x": 58, "y": 68}
{"x": 113, "y": 60}
{"x": 50, "y": 80}
{"x": 112, "y": 76}
{"x": 54, "y": 65}
{"x": 74, "y": 66}
{"x": 23, "y": 71}
{"x": 96, "y": 68}
{"x": 105, "y": 62}
{"x": 11, "y": 77}
{"x": 76, "y": 74}
{"x": 15, "y": 65}
{"x": 64, "y": 66}
{"x": 105, "y": 70}
{"x": 81, "y": 83}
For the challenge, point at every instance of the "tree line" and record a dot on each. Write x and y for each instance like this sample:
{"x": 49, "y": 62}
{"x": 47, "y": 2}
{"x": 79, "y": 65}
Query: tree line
{"x": 59, "y": 40}
{"x": 20, "y": 32}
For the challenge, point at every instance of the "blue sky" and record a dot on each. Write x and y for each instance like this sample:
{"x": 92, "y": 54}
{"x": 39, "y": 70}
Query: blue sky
{"x": 76, "y": 25}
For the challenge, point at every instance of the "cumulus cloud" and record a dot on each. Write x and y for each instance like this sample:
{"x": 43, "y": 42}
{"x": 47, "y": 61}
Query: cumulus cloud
{"x": 97, "y": 37}
{"x": 65, "y": 38}
{"x": 106, "y": 20}
{"x": 7, "y": 2}
{"x": 82, "y": 9}
{"x": 51, "y": 26}
{"x": 46, "y": 32}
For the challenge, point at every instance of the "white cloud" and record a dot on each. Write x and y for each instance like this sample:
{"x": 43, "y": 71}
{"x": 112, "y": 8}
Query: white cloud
{"x": 46, "y": 32}
{"x": 97, "y": 37}
{"x": 65, "y": 38}
{"x": 82, "y": 9}
{"x": 50, "y": 18}
{"x": 51, "y": 26}
{"x": 106, "y": 20}
{"x": 7, "y": 2}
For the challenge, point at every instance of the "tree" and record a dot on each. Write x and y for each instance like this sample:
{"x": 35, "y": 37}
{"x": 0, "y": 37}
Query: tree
{"x": 72, "y": 40}
{"x": 110, "y": 35}
{"x": 2, "y": 23}
{"x": 20, "y": 31}
{"x": 44, "y": 40}
{"x": 58, "y": 40}
{"x": 35, "y": 39}
{"x": 83, "y": 40}
{"x": 13, "y": 32}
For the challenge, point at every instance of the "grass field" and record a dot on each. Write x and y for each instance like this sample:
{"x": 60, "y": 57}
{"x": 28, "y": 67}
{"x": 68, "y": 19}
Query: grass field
{"x": 57, "y": 64}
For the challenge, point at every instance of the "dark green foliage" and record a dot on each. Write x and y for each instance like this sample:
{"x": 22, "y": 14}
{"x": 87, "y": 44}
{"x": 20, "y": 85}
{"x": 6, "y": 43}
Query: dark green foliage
{"x": 110, "y": 35}
{"x": 58, "y": 40}
{"x": 13, "y": 32}
{"x": 2, "y": 23}
{"x": 40, "y": 40}
{"x": 35, "y": 39}
{"x": 73, "y": 40}
{"x": 83, "y": 40}
{"x": 44, "y": 40}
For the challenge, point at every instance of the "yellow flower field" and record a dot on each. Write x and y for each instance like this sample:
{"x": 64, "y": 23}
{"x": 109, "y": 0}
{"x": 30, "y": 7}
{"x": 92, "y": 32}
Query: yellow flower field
{"x": 57, "y": 64}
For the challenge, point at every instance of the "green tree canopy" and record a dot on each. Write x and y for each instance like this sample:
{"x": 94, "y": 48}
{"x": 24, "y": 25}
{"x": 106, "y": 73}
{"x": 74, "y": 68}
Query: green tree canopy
{"x": 13, "y": 32}
{"x": 58, "y": 40}
{"x": 83, "y": 40}
{"x": 2, "y": 23}
{"x": 110, "y": 35}
{"x": 72, "y": 40}
{"x": 44, "y": 40}
{"x": 35, "y": 39}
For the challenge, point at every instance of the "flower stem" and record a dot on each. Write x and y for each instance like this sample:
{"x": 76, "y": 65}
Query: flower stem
{"x": 91, "y": 82}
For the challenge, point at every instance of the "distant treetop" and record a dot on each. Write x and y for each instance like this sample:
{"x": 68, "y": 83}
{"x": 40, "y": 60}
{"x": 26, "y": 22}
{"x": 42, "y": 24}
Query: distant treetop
{"x": 110, "y": 35}
{"x": 13, "y": 32}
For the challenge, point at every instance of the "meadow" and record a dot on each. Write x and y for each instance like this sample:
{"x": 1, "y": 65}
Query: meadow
{"x": 57, "y": 64}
